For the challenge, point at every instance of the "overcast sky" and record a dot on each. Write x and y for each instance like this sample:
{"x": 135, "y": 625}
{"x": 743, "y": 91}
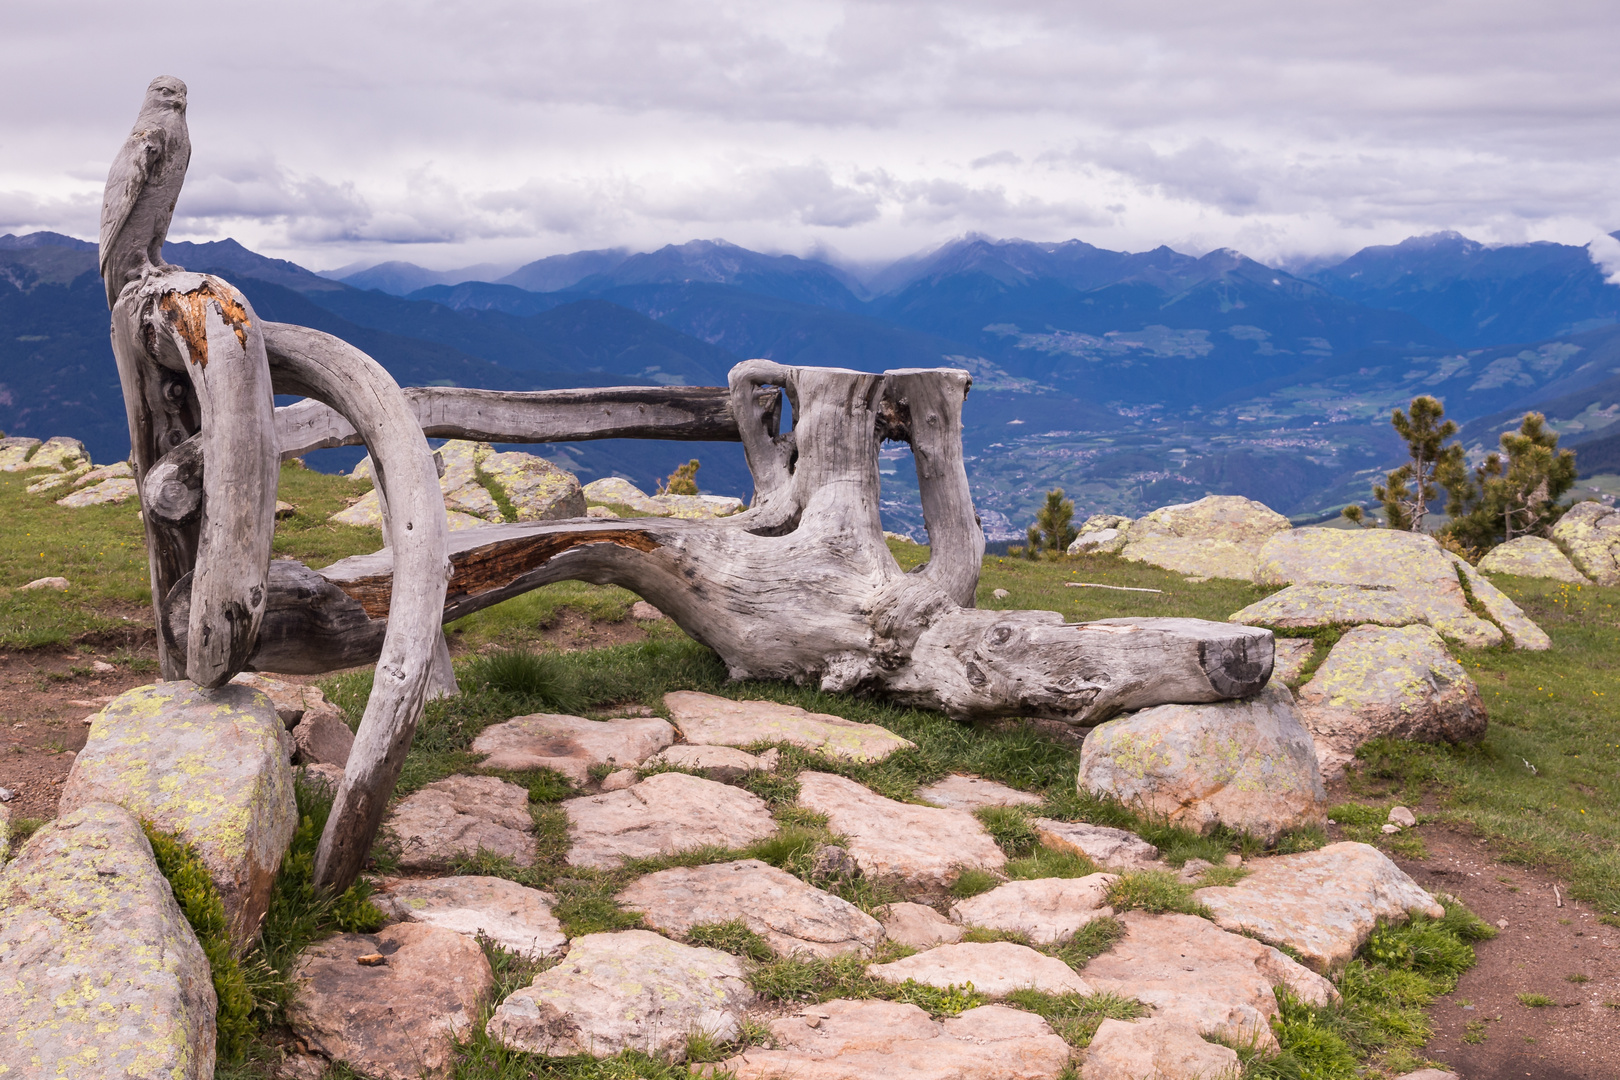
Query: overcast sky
{"x": 449, "y": 134}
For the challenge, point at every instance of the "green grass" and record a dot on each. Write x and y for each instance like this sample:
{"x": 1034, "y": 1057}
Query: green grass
{"x": 522, "y": 619}
{"x": 1156, "y": 892}
{"x": 1076, "y": 1017}
{"x": 1535, "y": 1001}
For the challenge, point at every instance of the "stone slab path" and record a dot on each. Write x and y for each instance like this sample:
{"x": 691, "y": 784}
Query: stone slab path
{"x": 970, "y": 793}
{"x": 571, "y": 744}
{"x": 1113, "y": 849}
{"x": 1046, "y": 909}
{"x": 513, "y": 916}
{"x": 718, "y": 721}
{"x": 665, "y": 813}
{"x": 461, "y": 815}
{"x": 996, "y": 968}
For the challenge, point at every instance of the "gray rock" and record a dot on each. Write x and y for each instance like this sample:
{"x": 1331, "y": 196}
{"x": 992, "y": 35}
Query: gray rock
{"x": 1309, "y": 605}
{"x": 14, "y": 453}
{"x": 461, "y": 815}
{"x": 322, "y": 737}
{"x": 209, "y": 765}
{"x": 793, "y": 917}
{"x": 291, "y": 700}
{"x": 970, "y": 793}
{"x": 1524, "y": 633}
{"x": 1386, "y": 681}
{"x": 1590, "y": 532}
{"x": 996, "y": 968}
{"x": 723, "y": 763}
{"x": 1249, "y": 765}
{"x": 1155, "y": 1048}
{"x": 60, "y": 584}
{"x": 1532, "y": 556}
{"x": 718, "y": 721}
{"x": 882, "y": 1040}
{"x": 571, "y": 744}
{"x": 1400, "y": 815}
{"x": 102, "y": 974}
{"x": 645, "y": 612}
{"x": 513, "y": 916}
{"x": 1289, "y": 658}
{"x": 1322, "y": 904}
{"x": 632, "y": 990}
{"x": 619, "y": 779}
{"x": 918, "y": 925}
{"x": 1046, "y": 909}
{"x": 60, "y": 454}
{"x": 398, "y": 1019}
{"x": 329, "y": 777}
{"x": 537, "y": 489}
{"x": 921, "y": 845}
{"x": 663, "y": 814}
{"x": 107, "y": 492}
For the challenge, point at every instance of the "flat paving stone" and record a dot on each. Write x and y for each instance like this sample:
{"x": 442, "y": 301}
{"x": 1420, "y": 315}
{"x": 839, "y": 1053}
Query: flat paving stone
{"x": 793, "y": 917}
{"x": 996, "y": 968}
{"x": 1110, "y": 848}
{"x": 885, "y": 1040}
{"x": 925, "y": 846}
{"x": 1157, "y": 1049}
{"x": 397, "y": 1019}
{"x": 1322, "y": 904}
{"x": 571, "y": 744}
{"x": 1189, "y": 970}
{"x": 1046, "y": 909}
{"x": 663, "y": 814}
{"x": 1309, "y": 605}
{"x": 971, "y": 792}
{"x": 633, "y": 990}
{"x": 918, "y": 925}
{"x": 723, "y": 763}
{"x": 461, "y": 815}
{"x": 513, "y": 916}
{"x": 718, "y": 721}
{"x": 100, "y": 974}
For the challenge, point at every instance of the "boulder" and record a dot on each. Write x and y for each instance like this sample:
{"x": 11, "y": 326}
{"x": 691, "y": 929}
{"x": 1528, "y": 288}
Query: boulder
{"x": 60, "y": 454}
{"x": 923, "y": 846}
{"x": 394, "y": 1019}
{"x": 1309, "y": 606}
{"x": 1524, "y": 633}
{"x": 1248, "y": 765}
{"x": 1532, "y": 556}
{"x": 101, "y": 974}
{"x": 971, "y": 792}
{"x": 1113, "y": 849}
{"x": 1398, "y": 682}
{"x": 15, "y": 451}
{"x": 1047, "y": 910}
{"x": 322, "y": 777}
{"x": 642, "y": 611}
{"x": 699, "y": 507}
{"x": 1217, "y": 536}
{"x": 537, "y": 489}
{"x": 996, "y": 968}
{"x": 1156, "y": 1049}
{"x": 1289, "y": 657}
{"x": 1101, "y": 533}
{"x": 723, "y": 763}
{"x": 108, "y": 491}
{"x": 795, "y": 918}
{"x": 513, "y": 916}
{"x": 1322, "y": 904}
{"x": 209, "y": 765}
{"x": 918, "y": 926}
{"x": 718, "y": 721}
{"x": 632, "y": 990}
{"x": 663, "y": 814}
{"x": 621, "y": 492}
{"x": 59, "y": 584}
{"x": 51, "y": 481}
{"x": 459, "y": 816}
{"x": 881, "y": 1040}
{"x": 120, "y": 470}
{"x": 1412, "y": 564}
{"x": 291, "y": 700}
{"x": 1190, "y": 971}
{"x": 1590, "y": 532}
{"x": 322, "y": 737}
{"x": 571, "y": 744}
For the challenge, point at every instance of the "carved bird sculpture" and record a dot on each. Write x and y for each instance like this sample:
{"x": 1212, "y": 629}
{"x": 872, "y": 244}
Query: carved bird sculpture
{"x": 142, "y": 187}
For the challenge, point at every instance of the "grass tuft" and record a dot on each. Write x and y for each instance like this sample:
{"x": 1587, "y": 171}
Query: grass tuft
{"x": 1156, "y": 892}
{"x": 1075, "y": 1017}
{"x": 733, "y": 937}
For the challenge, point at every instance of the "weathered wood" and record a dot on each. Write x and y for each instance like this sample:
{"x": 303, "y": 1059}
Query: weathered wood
{"x": 317, "y": 365}
{"x": 687, "y": 413}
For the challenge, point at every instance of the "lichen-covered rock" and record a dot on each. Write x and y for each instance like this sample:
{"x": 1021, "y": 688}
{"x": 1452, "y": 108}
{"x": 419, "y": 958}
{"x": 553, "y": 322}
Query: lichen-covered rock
{"x": 1217, "y": 536}
{"x": 1411, "y": 564}
{"x": 1110, "y": 848}
{"x": 793, "y": 917}
{"x": 921, "y": 845}
{"x": 1524, "y": 633}
{"x": 14, "y": 453}
{"x": 513, "y": 916}
{"x": 1307, "y": 606}
{"x": 537, "y": 489}
{"x": 100, "y": 974}
{"x": 398, "y": 1018}
{"x": 622, "y": 492}
{"x": 1322, "y": 904}
{"x": 1156, "y": 1049}
{"x": 883, "y": 1040}
{"x": 51, "y": 481}
{"x": 996, "y": 968}
{"x": 918, "y": 926}
{"x": 1188, "y": 970}
{"x": 291, "y": 700}
{"x": 1046, "y": 909}
{"x": 1398, "y": 682}
{"x": 462, "y": 815}
{"x": 118, "y": 470}
{"x": 614, "y": 489}
{"x": 632, "y": 990}
{"x": 663, "y": 814}
{"x": 60, "y": 454}
{"x": 209, "y": 765}
{"x": 971, "y": 792}
{"x": 1590, "y": 532}
{"x": 1532, "y": 556}
{"x": 1289, "y": 657}
{"x": 108, "y": 491}
{"x": 718, "y": 721}
{"x": 1105, "y": 533}
{"x": 1248, "y": 765}
{"x": 572, "y": 744}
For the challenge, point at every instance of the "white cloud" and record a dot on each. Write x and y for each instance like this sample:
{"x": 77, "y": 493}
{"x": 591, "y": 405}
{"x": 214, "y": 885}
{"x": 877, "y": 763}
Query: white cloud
{"x": 1605, "y": 252}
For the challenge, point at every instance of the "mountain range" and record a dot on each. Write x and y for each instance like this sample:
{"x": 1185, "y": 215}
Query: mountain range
{"x": 1129, "y": 379}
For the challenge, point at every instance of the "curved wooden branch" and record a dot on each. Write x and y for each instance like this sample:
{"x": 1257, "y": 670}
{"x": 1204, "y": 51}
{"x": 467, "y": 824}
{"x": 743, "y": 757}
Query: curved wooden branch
{"x": 305, "y": 361}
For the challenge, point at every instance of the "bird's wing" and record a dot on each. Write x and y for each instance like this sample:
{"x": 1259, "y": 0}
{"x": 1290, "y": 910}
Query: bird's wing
{"x": 129, "y": 173}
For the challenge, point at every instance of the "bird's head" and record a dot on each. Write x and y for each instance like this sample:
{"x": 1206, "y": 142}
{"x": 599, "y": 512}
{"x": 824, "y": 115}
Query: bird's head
{"x": 166, "y": 92}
